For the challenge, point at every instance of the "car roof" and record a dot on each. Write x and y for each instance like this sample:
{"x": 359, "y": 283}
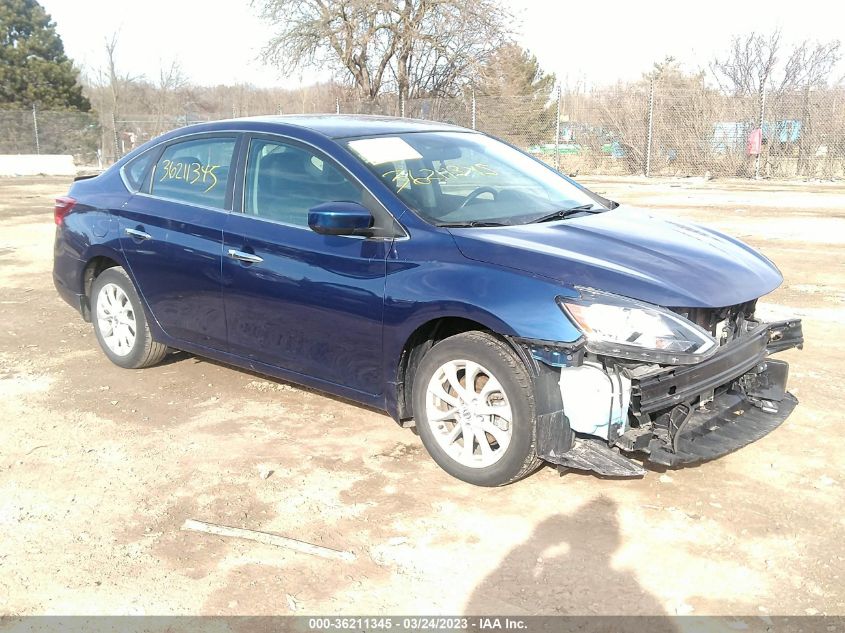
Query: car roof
{"x": 333, "y": 126}
{"x": 353, "y": 125}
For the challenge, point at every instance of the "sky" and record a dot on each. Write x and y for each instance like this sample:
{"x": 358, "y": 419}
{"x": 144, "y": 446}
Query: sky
{"x": 591, "y": 43}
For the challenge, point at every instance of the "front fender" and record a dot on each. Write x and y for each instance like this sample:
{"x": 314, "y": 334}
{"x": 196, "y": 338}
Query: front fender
{"x": 506, "y": 301}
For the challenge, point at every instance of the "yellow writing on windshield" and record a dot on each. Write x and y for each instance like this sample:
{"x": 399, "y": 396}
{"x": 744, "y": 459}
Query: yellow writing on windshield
{"x": 404, "y": 178}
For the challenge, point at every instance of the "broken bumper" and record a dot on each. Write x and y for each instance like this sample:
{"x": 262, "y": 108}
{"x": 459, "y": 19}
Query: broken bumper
{"x": 694, "y": 413}
{"x": 741, "y": 396}
{"x": 679, "y": 384}
{"x": 730, "y": 422}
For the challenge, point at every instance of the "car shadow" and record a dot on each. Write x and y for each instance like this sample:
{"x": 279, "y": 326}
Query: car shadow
{"x": 178, "y": 356}
{"x": 565, "y": 567}
{"x": 173, "y": 356}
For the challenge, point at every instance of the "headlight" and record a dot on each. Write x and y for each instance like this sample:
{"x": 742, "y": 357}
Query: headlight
{"x": 626, "y": 328}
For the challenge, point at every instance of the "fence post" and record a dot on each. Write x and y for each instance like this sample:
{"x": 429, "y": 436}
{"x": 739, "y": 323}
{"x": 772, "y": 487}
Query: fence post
{"x": 473, "y": 110}
{"x": 760, "y": 125}
{"x": 557, "y": 130}
{"x": 35, "y": 129}
{"x": 650, "y": 133}
{"x": 116, "y": 139}
{"x": 337, "y": 105}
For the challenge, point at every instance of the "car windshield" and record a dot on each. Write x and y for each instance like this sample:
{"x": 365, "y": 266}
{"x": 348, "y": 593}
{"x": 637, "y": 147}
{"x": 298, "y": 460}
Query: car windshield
{"x": 463, "y": 178}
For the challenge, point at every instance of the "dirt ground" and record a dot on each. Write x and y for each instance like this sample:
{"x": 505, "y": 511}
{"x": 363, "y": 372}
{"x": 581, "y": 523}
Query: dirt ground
{"x": 100, "y": 467}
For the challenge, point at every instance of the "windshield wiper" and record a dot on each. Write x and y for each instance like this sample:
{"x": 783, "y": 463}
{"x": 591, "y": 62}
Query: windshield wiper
{"x": 474, "y": 223}
{"x": 564, "y": 213}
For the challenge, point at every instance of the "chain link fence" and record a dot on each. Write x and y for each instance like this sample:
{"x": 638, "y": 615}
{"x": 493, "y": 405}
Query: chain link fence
{"x": 34, "y": 132}
{"x": 648, "y": 129}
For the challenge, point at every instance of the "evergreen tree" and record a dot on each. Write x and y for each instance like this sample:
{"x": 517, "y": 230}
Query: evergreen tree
{"x": 513, "y": 71}
{"x": 512, "y": 81}
{"x": 33, "y": 66}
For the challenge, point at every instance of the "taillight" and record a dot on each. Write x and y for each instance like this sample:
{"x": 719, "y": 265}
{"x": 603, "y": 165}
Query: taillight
{"x": 63, "y": 206}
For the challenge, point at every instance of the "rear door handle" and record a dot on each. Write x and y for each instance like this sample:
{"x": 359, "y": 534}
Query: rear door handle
{"x": 138, "y": 235}
{"x": 244, "y": 257}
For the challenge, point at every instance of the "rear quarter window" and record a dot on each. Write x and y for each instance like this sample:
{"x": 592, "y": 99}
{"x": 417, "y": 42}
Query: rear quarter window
{"x": 195, "y": 172}
{"x": 136, "y": 171}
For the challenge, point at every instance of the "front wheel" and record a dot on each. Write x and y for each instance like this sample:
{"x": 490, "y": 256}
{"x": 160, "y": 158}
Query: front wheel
{"x": 474, "y": 407}
{"x": 120, "y": 323}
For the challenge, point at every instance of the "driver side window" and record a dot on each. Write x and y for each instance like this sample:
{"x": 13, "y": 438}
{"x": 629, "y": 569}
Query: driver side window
{"x": 284, "y": 181}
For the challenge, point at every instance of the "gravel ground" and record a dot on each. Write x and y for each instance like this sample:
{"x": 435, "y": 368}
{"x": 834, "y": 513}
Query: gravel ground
{"x": 100, "y": 467}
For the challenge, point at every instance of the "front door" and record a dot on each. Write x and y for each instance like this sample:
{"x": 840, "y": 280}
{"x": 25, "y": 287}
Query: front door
{"x": 308, "y": 303}
{"x": 171, "y": 234}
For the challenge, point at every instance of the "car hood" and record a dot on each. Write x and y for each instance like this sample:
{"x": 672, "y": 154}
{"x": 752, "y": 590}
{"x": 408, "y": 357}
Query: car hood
{"x": 631, "y": 253}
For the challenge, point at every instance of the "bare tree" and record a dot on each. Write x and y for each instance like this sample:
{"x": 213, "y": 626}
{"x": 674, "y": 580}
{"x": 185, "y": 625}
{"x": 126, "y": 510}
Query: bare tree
{"x": 109, "y": 89}
{"x": 421, "y": 47}
{"x": 750, "y": 64}
{"x": 809, "y": 67}
{"x": 623, "y": 114}
{"x": 753, "y": 68}
{"x": 445, "y": 44}
{"x": 118, "y": 83}
{"x": 171, "y": 81}
{"x": 811, "y": 64}
{"x": 682, "y": 110}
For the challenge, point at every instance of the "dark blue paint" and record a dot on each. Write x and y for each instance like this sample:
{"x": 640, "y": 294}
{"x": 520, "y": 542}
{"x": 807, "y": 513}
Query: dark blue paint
{"x": 630, "y": 253}
{"x": 340, "y": 218}
{"x": 350, "y": 126}
{"x": 335, "y": 312}
{"x": 313, "y": 306}
{"x": 178, "y": 270}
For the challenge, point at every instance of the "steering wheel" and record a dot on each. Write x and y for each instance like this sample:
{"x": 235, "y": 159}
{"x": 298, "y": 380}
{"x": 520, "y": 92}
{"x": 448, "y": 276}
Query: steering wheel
{"x": 475, "y": 193}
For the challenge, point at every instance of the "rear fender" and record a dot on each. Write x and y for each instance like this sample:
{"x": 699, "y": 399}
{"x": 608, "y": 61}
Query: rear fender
{"x": 112, "y": 251}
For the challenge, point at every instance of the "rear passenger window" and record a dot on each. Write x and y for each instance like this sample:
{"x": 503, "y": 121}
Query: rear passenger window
{"x": 284, "y": 181}
{"x": 196, "y": 172}
{"x": 135, "y": 172}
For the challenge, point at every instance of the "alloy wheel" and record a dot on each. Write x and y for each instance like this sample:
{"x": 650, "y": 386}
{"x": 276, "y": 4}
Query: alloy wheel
{"x": 116, "y": 319}
{"x": 469, "y": 413}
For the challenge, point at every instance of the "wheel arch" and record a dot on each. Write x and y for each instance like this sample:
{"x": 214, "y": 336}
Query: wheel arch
{"x": 422, "y": 339}
{"x": 96, "y": 262}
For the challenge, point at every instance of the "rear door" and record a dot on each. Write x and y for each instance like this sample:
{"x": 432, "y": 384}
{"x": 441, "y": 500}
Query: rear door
{"x": 308, "y": 303}
{"x": 171, "y": 234}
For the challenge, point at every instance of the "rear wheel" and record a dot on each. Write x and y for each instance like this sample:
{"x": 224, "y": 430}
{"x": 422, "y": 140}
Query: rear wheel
{"x": 120, "y": 323}
{"x": 474, "y": 408}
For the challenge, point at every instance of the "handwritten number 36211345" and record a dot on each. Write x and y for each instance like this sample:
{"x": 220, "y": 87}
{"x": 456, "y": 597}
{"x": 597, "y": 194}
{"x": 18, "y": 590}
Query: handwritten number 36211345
{"x": 191, "y": 173}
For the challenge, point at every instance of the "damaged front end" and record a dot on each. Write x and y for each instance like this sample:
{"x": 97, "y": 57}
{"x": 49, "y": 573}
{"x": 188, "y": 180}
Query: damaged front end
{"x": 596, "y": 410}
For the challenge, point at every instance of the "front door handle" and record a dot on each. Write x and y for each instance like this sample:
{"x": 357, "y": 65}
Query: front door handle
{"x": 244, "y": 257}
{"x": 138, "y": 235}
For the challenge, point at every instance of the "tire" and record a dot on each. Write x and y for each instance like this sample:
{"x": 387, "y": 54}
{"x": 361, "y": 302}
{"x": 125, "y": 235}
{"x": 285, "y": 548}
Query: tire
{"x": 120, "y": 323}
{"x": 512, "y": 450}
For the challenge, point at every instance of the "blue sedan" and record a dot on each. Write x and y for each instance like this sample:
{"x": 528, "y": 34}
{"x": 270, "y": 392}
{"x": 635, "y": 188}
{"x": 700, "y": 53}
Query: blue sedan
{"x": 506, "y": 313}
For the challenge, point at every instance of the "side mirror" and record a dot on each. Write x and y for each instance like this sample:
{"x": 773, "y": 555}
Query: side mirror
{"x": 340, "y": 218}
